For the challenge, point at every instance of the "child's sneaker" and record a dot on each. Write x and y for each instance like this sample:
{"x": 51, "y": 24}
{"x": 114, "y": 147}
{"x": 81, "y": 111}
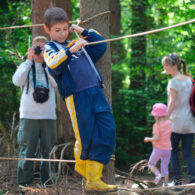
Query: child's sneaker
{"x": 172, "y": 184}
{"x": 165, "y": 184}
{"x": 157, "y": 179}
{"x": 175, "y": 183}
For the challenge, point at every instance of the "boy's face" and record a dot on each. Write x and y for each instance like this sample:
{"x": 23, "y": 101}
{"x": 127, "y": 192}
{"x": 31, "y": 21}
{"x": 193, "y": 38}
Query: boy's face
{"x": 58, "y": 32}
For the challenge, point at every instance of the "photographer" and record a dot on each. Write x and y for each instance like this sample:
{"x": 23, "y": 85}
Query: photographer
{"x": 37, "y": 112}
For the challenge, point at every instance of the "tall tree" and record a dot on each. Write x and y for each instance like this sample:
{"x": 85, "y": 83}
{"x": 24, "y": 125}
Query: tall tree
{"x": 89, "y": 8}
{"x": 115, "y": 28}
{"x": 138, "y": 55}
{"x": 64, "y": 126}
{"x": 38, "y": 10}
{"x": 65, "y": 4}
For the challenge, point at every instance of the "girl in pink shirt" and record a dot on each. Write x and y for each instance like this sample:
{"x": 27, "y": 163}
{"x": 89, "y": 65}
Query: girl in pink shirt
{"x": 161, "y": 143}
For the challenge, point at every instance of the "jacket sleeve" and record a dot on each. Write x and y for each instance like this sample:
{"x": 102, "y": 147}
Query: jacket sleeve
{"x": 21, "y": 73}
{"x": 97, "y": 50}
{"x": 56, "y": 60}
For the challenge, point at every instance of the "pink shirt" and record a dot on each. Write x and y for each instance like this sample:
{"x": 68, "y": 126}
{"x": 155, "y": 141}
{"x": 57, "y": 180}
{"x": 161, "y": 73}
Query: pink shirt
{"x": 163, "y": 129}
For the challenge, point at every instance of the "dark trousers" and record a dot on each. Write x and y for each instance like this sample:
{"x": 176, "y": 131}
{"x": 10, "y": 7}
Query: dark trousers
{"x": 93, "y": 124}
{"x": 31, "y": 132}
{"x": 186, "y": 145}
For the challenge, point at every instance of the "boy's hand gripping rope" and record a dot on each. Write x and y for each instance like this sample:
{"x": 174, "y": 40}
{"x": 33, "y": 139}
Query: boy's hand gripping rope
{"x": 87, "y": 56}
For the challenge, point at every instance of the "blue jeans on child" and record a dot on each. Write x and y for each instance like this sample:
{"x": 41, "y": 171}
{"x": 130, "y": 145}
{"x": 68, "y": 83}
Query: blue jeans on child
{"x": 187, "y": 141}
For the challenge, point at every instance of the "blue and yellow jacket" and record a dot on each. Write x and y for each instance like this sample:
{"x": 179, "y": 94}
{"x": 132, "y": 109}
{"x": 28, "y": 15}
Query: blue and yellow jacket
{"x": 72, "y": 71}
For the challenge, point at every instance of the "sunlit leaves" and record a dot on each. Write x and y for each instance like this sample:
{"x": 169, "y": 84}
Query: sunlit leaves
{"x": 160, "y": 13}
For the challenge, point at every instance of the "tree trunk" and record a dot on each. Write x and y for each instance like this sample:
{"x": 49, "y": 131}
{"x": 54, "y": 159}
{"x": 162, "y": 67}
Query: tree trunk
{"x": 138, "y": 59}
{"x": 64, "y": 4}
{"x": 89, "y": 8}
{"x": 38, "y": 10}
{"x": 139, "y": 24}
{"x": 64, "y": 126}
{"x": 115, "y": 27}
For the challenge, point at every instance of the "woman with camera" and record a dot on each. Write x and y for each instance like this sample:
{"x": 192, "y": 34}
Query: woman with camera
{"x": 37, "y": 112}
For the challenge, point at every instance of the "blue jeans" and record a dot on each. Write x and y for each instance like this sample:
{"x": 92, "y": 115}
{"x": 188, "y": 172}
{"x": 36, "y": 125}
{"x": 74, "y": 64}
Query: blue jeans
{"x": 187, "y": 141}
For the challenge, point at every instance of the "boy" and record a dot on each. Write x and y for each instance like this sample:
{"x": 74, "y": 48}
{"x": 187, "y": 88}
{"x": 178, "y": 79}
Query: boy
{"x": 37, "y": 116}
{"x": 79, "y": 84}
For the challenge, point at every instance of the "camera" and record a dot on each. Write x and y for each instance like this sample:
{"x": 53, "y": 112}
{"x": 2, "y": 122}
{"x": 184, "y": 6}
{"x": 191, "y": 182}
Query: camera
{"x": 37, "y": 50}
{"x": 41, "y": 94}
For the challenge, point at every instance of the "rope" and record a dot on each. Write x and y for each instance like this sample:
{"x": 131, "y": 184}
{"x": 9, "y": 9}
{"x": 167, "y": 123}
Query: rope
{"x": 38, "y": 25}
{"x": 143, "y": 33}
{"x": 91, "y": 18}
{"x": 38, "y": 159}
{"x": 24, "y": 26}
{"x": 113, "y": 39}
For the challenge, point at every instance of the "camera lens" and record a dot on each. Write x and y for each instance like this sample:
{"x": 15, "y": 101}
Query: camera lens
{"x": 37, "y": 50}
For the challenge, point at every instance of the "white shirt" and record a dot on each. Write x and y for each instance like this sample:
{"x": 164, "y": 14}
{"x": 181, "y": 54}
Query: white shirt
{"x": 182, "y": 120}
{"x": 29, "y": 109}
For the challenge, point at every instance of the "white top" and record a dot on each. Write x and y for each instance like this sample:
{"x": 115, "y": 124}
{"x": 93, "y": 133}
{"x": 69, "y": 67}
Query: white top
{"x": 182, "y": 120}
{"x": 30, "y": 109}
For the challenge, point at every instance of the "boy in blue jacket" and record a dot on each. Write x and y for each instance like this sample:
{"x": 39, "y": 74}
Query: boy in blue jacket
{"x": 80, "y": 85}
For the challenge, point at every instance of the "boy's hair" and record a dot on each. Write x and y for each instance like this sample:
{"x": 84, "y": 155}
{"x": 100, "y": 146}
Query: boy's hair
{"x": 54, "y": 15}
{"x": 39, "y": 39}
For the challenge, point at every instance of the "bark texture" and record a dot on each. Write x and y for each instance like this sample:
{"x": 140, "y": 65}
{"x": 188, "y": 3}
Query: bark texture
{"x": 89, "y": 8}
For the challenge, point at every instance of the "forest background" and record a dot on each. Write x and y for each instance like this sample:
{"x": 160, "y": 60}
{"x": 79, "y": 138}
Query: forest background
{"x": 137, "y": 79}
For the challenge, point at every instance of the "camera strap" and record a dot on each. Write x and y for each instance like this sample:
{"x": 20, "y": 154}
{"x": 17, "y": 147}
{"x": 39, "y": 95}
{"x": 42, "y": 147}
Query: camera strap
{"x": 34, "y": 76}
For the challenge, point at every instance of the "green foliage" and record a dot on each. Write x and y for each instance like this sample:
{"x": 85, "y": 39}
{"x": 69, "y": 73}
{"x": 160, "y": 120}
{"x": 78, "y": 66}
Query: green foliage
{"x": 1, "y": 192}
{"x": 75, "y": 9}
{"x": 132, "y": 105}
{"x": 13, "y": 46}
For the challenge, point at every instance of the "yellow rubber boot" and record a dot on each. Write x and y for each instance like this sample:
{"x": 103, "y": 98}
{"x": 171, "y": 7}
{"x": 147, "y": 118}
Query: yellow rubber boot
{"x": 80, "y": 167}
{"x": 93, "y": 175}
